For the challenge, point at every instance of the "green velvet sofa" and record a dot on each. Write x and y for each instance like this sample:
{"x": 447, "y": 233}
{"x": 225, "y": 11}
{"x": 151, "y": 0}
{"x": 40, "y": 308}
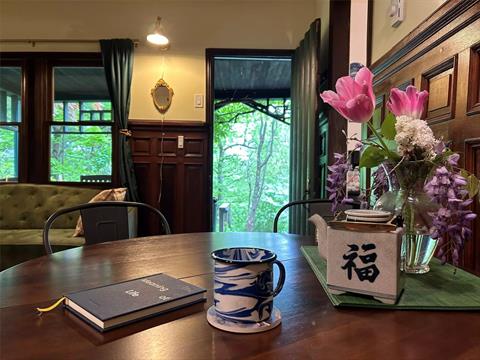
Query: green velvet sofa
{"x": 24, "y": 208}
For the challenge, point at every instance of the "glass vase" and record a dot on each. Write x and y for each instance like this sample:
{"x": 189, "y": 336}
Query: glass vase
{"x": 413, "y": 205}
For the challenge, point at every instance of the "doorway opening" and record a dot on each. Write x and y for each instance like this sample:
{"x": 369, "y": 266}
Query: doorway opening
{"x": 250, "y": 112}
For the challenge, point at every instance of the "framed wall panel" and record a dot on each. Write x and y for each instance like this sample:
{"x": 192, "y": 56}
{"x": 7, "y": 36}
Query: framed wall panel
{"x": 473, "y": 102}
{"x": 140, "y": 146}
{"x": 440, "y": 82}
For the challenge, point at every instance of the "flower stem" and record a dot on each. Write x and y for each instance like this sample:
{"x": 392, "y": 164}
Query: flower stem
{"x": 375, "y": 132}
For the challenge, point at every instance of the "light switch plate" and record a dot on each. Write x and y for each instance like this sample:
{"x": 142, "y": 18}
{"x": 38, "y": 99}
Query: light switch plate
{"x": 198, "y": 100}
{"x": 397, "y": 12}
{"x": 180, "y": 141}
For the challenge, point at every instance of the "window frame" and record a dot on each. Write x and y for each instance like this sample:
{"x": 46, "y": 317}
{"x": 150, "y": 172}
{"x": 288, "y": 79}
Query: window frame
{"x": 37, "y": 114}
{"x": 22, "y": 155}
{"x": 77, "y": 62}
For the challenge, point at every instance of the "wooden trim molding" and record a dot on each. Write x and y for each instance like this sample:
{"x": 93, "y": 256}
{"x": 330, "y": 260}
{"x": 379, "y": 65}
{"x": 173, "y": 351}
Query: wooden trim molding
{"x": 170, "y": 124}
{"x": 369, "y": 32}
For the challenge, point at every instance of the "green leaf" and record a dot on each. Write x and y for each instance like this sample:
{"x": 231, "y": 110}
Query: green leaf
{"x": 372, "y": 156}
{"x": 464, "y": 173}
{"x": 472, "y": 185}
{"x": 391, "y": 144}
{"x": 388, "y": 127}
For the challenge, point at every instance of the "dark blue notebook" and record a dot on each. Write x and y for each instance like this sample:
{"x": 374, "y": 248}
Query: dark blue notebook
{"x": 114, "y": 305}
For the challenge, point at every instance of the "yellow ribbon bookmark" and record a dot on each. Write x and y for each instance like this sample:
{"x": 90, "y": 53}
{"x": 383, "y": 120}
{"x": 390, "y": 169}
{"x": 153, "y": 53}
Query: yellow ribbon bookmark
{"x": 50, "y": 308}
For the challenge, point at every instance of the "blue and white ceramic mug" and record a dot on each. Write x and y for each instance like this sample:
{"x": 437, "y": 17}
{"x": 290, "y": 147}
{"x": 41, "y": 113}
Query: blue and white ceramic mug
{"x": 244, "y": 283}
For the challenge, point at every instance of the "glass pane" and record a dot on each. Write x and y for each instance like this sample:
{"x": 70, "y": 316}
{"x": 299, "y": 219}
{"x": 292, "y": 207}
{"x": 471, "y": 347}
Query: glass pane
{"x": 78, "y": 153}
{"x": 10, "y": 94}
{"x": 83, "y": 94}
{"x": 58, "y": 114}
{"x": 9, "y": 153}
{"x": 86, "y": 116}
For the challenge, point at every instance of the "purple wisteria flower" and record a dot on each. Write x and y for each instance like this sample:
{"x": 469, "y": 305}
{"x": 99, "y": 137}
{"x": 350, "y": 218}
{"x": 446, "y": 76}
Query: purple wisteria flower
{"x": 451, "y": 222}
{"x": 439, "y": 148}
{"x": 337, "y": 181}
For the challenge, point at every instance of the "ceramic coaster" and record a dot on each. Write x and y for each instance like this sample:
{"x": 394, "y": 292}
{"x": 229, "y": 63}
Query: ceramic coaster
{"x": 242, "y": 328}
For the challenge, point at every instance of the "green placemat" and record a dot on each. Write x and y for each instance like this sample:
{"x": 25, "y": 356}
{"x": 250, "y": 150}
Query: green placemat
{"x": 440, "y": 289}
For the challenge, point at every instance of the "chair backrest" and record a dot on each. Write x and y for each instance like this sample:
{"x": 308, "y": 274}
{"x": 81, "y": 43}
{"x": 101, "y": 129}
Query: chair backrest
{"x": 103, "y": 221}
{"x": 318, "y": 206}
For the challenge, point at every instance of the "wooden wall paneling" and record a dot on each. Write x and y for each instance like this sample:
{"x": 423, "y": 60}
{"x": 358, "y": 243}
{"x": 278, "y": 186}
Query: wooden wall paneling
{"x": 465, "y": 125}
{"x": 440, "y": 82}
{"x": 194, "y": 211}
{"x": 171, "y": 178}
{"x": 473, "y": 102}
{"x": 442, "y": 56}
{"x": 141, "y": 146}
{"x": 167, "y": 191}
{"x": 471, "y": 259}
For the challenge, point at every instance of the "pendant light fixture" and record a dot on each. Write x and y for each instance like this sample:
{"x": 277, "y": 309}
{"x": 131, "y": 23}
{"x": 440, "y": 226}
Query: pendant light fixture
{"x": 157, "y": 38}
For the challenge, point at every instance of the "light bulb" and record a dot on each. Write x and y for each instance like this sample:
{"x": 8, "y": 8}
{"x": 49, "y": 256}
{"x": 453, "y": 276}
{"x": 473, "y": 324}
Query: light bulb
{"x": 157, "y": 39}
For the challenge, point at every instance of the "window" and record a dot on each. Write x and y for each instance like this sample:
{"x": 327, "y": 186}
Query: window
{"x": 10, "y": 121}
{"x": 56, "y": 119}
{"x": 81, "y": 128}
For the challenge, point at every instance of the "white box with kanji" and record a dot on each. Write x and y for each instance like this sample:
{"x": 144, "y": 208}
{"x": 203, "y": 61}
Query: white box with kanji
{"x": 365, "y": 263}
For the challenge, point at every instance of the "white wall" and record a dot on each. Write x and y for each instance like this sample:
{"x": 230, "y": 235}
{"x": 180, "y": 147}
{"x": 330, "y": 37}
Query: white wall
{"x": 191, "y": 27}
{"x": 358, "y": 50}
{"x": 384, "y": 36}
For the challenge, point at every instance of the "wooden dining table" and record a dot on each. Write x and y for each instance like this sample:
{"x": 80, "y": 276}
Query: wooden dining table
{"x": 311, "y": 327}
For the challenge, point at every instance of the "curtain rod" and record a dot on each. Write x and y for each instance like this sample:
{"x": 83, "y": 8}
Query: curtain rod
{"x": 77, "y": 41}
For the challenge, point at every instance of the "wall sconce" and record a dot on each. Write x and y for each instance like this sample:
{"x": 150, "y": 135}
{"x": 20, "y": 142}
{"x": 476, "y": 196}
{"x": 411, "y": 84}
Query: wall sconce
{"x": 157, "y": 38}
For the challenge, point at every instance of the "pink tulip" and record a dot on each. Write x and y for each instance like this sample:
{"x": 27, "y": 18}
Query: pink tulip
{"x": 354, "y": 99}
{"x": 409, "y": 102}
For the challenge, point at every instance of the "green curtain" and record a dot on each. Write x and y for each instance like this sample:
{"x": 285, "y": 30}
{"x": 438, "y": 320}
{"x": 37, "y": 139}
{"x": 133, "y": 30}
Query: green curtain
{"x": 117, "y": 55}
{"x": 304, "y": 125}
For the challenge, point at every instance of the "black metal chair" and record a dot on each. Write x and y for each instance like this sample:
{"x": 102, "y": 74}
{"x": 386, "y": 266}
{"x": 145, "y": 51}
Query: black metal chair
{"x": 322, "y": 208}
{"x": 102, "y": 221}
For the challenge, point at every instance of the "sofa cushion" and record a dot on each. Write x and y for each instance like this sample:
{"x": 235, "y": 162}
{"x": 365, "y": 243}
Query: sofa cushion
{"x": 27, "y": 206}
{"x": 34, "y": 237}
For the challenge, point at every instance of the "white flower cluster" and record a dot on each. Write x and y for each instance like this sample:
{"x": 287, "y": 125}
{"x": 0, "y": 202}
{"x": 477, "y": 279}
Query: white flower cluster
{"x": 414, "y": 138}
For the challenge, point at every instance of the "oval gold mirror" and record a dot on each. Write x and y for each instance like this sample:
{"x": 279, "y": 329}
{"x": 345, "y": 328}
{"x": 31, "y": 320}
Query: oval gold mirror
{"x": 162, "y": 95}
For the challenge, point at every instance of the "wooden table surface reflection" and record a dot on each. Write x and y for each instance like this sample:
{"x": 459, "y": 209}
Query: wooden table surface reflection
{"x": 311, "y": 327}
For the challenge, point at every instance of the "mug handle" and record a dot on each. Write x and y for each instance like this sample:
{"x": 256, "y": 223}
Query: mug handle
{"x": 281, "y": 280}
